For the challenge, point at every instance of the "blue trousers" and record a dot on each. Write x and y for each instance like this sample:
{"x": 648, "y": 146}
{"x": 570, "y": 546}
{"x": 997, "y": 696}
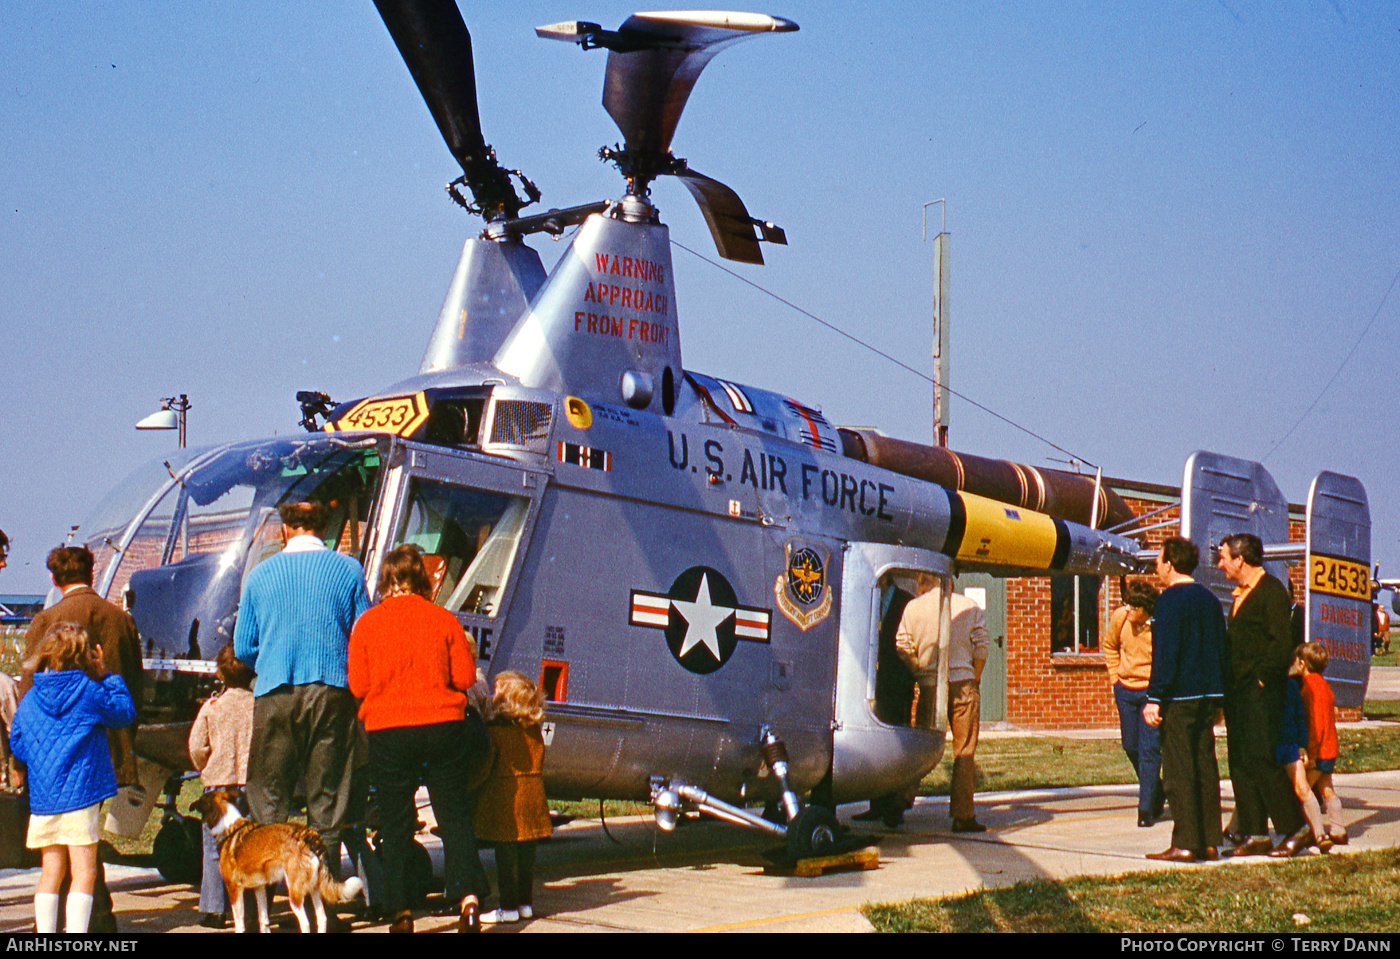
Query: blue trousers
{"x": 1142, "y": 743}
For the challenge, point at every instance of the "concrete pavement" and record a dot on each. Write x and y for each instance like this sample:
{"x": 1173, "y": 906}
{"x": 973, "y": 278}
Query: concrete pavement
{"x": 708, "y": 876}
{"x": 1385, "y": 683}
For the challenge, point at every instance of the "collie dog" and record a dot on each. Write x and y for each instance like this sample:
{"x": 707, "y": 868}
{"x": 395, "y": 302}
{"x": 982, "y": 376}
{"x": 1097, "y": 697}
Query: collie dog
{"x": 253, "y": 856}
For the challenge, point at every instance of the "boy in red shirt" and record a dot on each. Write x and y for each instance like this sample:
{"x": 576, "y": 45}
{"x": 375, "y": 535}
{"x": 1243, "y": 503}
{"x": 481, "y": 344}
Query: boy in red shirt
{"x": 1319, "y": 704}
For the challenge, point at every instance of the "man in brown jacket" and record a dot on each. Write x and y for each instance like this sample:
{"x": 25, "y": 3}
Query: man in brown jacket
{"x": 115, "y": 631}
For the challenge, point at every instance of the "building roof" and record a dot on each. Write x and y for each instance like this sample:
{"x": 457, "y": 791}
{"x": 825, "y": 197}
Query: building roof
{"x": 20, "y": 607}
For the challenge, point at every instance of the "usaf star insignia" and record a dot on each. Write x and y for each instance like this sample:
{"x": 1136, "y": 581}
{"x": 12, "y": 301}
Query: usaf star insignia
{"x": 702, "y": 619}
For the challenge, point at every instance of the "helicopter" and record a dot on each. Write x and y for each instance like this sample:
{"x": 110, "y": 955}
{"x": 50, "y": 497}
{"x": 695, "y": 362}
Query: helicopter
{"x": 693, "y": 568}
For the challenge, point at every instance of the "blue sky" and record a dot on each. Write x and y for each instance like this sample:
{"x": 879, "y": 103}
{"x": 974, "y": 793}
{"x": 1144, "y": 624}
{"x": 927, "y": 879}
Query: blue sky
{"x": 1171, "y": 223}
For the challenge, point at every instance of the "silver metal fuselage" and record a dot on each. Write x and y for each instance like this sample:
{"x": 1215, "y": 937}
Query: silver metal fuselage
{"x": 680, "y": 560}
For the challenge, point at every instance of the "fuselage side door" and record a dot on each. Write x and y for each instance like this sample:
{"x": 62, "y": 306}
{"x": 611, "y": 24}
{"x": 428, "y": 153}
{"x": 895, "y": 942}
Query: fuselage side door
{"x": 876, "y": 750}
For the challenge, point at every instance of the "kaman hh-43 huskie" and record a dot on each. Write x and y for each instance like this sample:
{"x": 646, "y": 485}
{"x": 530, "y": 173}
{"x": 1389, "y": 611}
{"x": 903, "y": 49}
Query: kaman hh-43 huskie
{"x": 692, "y": 567}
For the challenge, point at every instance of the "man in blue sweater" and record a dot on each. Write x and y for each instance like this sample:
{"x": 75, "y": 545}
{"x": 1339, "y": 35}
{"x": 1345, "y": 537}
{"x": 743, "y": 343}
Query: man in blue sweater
{"x": 293, "y": 630}
{"x": 1190, "y": 656}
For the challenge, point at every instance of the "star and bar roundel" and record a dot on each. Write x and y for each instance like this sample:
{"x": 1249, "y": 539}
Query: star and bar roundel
{"x": 702, "y": 619}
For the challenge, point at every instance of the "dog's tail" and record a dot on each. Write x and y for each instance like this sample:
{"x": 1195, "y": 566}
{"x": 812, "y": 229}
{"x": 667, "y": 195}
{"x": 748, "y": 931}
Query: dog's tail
{"x": 332, "y": 891}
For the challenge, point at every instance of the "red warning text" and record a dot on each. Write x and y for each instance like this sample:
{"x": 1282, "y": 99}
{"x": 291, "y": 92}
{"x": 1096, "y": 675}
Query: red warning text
{"x": 629, "y": 267}
{"x": 625, "y": 298}
{"x": 628, "y": 328}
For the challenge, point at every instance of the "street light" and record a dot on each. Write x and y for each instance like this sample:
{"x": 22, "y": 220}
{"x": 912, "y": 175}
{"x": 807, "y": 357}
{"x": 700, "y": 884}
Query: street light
{"x": 170, "y": 416}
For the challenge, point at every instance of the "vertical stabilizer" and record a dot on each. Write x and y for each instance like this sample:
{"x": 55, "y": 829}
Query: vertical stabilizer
{"x": 1339, "y": 582}
{"x": 604, "y": 327}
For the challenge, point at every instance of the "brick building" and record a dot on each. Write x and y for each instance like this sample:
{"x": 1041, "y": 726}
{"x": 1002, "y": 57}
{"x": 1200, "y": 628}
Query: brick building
{"x": 1046, "y": 671}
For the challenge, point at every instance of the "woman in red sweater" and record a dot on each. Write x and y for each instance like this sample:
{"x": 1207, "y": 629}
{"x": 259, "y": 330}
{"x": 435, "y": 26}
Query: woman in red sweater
{"x": 411, "y": 666}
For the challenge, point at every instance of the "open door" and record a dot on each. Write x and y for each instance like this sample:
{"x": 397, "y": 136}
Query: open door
{"x": 875, "y": 748}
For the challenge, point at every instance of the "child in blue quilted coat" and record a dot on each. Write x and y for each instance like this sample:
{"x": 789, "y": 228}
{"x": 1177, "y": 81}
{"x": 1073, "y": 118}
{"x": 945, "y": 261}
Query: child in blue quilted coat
{"x": 60, "y": 733}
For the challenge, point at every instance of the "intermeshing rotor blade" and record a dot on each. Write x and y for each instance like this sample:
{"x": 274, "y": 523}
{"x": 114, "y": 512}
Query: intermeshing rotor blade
{"x": 654, "y": 62}
{"x": 437, "y": 48}
{"x": 729, "y": 221}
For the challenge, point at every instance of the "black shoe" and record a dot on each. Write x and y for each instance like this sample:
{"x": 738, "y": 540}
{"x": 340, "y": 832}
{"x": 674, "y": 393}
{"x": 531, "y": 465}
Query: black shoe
{"x": 893, "y": 818}
{"x": 968, "y": 825}
{"x": 213, "y": 920}
{"x": 470, "y": 918}
{"x": 1145, "y": 820}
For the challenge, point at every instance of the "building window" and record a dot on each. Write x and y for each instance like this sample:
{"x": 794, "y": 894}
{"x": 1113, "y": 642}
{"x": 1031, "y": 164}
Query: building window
{"x": 1074, "y": 614}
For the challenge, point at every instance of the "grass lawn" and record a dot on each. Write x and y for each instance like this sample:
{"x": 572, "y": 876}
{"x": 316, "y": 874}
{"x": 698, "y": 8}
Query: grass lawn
{"x": 1383, "y": 709}
{"x": 1342, "y": 893}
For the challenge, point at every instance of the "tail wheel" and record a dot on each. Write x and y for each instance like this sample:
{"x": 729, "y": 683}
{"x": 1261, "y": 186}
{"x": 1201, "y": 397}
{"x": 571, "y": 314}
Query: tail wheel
{"x": 813, "y": 833}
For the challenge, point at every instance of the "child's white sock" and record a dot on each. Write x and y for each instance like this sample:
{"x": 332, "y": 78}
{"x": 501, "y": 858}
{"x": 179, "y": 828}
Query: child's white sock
{"x": 79, "y": 910}
{"x": 46, "y": 912}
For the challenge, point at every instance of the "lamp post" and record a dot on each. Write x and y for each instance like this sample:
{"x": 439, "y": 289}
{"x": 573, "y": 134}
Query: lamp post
{"x": 170, "y": 416}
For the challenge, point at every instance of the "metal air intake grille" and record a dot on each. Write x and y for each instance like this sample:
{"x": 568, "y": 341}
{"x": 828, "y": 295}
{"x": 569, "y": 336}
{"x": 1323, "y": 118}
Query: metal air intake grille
{"x": 521, "y": 424}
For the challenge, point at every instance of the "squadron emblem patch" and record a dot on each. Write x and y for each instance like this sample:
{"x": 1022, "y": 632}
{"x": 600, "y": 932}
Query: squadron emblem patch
{"x": 802, "y": 592}
{"x": 702, "y": 619}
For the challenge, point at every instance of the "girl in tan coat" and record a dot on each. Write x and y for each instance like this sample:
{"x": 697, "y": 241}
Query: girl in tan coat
{"x": 511, "y": 808}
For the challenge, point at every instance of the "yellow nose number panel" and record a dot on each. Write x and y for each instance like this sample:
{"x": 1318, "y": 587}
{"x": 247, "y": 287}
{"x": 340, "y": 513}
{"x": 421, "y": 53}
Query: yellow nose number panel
{"x": 400, "y": 415}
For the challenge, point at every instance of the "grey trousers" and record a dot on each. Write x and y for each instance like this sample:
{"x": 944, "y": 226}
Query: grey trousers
{"x": 304, "y": 731}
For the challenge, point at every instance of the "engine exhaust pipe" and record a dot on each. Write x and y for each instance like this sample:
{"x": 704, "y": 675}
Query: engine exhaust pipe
{"x": 1067, "y": 496}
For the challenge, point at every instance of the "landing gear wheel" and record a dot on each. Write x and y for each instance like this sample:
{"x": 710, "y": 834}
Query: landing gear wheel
{"x": 178, "y": 850}
{"x": 813, "y": 833}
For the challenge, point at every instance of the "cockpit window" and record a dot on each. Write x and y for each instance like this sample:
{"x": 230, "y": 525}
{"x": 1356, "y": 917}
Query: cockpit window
{"x": 103, "y": 531}
{"x": 147, "y": 547}
{"x": 343, "y": 478}
{"x": 468, "y": 537}
{"x": 221, "y": 505}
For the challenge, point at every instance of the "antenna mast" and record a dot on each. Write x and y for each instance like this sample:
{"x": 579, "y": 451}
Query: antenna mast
{"x": 940, "y": 326}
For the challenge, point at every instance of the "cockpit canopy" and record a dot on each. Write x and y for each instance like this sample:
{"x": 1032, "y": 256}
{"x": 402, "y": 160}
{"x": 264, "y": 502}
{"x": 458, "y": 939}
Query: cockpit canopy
{"x": 175, "y": 541}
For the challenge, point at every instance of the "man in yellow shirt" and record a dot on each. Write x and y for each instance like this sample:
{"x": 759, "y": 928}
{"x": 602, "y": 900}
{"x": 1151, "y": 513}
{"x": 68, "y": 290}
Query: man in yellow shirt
{"x": 1127, "y": 652}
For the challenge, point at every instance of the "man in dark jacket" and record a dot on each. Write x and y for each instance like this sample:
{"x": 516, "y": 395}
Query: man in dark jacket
{"x": 1189, "y": 660}
{"x": 115, "y": 631}
{"x": 1261, "y": 650}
